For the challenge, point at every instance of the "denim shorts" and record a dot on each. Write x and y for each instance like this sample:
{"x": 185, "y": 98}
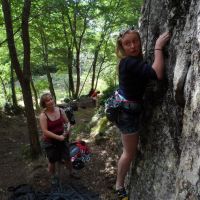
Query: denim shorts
{"x": 128, "y": 122}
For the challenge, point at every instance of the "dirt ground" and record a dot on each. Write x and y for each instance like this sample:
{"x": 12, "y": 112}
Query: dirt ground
{"x": 98, "y": 175}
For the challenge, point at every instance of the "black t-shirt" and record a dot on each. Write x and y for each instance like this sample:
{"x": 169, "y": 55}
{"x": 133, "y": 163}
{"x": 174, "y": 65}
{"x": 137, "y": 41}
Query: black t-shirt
{"x": 134, "y": 75}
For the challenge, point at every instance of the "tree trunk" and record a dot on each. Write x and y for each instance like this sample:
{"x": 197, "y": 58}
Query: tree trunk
{"x": 23, "y": 76}
{"x": 4, "y": 90}
{"x": 46, "y": 63}
{"x": 70, "y": 72}
{"x": 167, "y": 166}
{"x": 77, "y": 73}
{"x": 96, "y": 55}
{"x": 31, "y": 121}
{"x": 99, "y": 72}
{"x": 69, "y": 53}
{"x": 35, "y": 95}
{"x": 49, "y": 78}
{"x": 94, "y": 65}
{"x": 12, "y": 83}
{"x": 77, "y": 43}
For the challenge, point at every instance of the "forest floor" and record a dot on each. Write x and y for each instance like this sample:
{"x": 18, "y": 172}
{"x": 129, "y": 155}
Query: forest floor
{"x": 15, "y": 168}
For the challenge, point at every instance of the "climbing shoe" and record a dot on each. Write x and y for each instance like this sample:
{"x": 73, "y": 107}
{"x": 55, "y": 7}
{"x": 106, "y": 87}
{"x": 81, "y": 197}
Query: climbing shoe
{"x": 121, "y": 194}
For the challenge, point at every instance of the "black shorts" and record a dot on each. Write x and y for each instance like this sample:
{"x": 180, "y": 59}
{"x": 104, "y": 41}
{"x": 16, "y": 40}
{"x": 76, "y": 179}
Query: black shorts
{"x": 57, "y": 151}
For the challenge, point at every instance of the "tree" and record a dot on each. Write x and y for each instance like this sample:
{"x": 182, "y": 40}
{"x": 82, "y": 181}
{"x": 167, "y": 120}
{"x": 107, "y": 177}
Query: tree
{"x": 110, "y": 16}
{"x": 23, "y": 75}
{"x": 71, "y": 37}
{"x": 77, "y": 14}
{"x": 12, "y": 85}
{"x": 45, "y": 54}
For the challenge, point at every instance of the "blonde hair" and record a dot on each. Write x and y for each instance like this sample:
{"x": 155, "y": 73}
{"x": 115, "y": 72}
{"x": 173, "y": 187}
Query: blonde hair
{"x": 43, "y": 99}
{"x": 119, "y": 48}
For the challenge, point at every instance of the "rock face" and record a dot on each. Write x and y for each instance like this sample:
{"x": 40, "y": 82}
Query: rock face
{"x": 168, "y": 163}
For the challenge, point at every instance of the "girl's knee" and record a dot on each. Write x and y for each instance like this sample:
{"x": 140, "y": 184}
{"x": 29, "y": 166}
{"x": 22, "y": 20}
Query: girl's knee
{"x": 128, "y": 156}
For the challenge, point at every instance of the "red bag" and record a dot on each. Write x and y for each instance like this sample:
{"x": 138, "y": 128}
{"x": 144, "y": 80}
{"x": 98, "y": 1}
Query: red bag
{"x": 79, "y": 154}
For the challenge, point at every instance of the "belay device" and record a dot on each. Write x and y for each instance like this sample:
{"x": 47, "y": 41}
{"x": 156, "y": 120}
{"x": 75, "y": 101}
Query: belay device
{"x": 79, "y": 154}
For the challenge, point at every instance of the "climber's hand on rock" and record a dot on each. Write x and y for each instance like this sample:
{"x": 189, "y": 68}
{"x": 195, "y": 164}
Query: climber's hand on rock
{"x": 162, "y": 40}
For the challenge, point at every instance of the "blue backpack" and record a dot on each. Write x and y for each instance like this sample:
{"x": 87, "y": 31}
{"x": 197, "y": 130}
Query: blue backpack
{"x": 79, "y": 154}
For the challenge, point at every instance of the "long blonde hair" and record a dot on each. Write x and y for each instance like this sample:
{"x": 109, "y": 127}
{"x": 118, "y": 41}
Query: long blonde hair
{"x": 119, "y": 48}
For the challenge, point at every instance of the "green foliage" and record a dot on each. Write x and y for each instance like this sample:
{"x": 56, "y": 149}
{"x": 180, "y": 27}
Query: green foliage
{"x": 101, "y": 126}
{"x": 110, "y": 78}
{"x": 78, "y": 129}
{"x": 49, "y": 47}
{"x": 38, "y": 70}
{"x": 40, "y": 83}
{"x": 107, "y": 93}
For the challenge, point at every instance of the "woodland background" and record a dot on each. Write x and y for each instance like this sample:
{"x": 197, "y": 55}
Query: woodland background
{"x": 65, "y": 47}
{"x": 68, "y": 47}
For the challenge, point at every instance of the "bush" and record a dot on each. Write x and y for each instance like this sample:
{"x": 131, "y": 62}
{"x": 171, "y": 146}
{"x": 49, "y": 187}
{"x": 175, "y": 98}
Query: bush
{"x": 107, "y": 93}
{"x": 38, "y": 70}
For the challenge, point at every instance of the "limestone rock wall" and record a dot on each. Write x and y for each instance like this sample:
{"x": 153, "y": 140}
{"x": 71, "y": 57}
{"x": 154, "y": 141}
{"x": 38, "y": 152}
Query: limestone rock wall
{"x": 168, "y": 163}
